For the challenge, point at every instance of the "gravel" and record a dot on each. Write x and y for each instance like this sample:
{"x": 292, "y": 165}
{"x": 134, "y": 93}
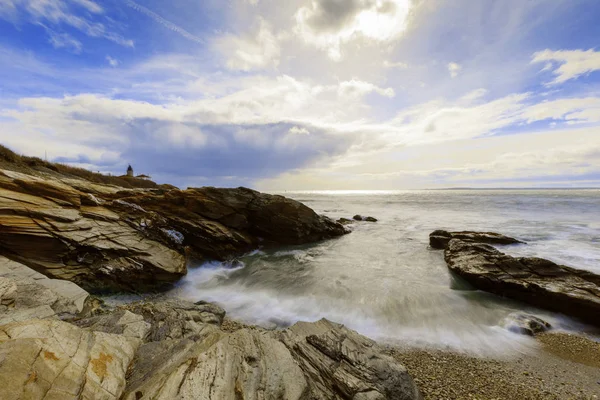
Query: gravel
{"x": 565, "y": 367}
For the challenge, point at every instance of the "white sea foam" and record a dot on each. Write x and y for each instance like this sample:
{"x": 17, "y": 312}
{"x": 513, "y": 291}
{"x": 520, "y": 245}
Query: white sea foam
{"x": 384, "y": 282}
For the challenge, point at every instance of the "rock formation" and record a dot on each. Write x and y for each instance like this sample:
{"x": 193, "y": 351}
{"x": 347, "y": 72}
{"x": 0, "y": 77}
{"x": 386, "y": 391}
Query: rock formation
{"x": 532, "y": 280}
{"x": 525, "y": 324}
{"x": 363, "y": 218}
{"x": 108, "y": 238}
{"x": 171, "y": 349}
{"x": 440, "y": 239}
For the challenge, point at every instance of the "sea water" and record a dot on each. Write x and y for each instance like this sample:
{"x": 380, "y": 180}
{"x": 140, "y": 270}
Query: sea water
{"x": 383, "y": 281}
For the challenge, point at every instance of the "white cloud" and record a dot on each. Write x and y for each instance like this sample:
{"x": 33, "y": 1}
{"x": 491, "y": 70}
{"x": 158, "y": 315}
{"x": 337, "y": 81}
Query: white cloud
{"x": 299, "y": 130}
{"x": 574, "y": 110}
{"x": 259, "y": 49}
{"x": 356, "y": 88}
{"x": 167, "y": 24}
{"x": 568, "y": 64}
{"x": 454, "y": 69}
{"x": 391, "y": 64}
{"x": 64, "y": 40}
{"x": 328, "y": 24}
{"x": 113, "y": 62}
{"x": 58, "y": 12}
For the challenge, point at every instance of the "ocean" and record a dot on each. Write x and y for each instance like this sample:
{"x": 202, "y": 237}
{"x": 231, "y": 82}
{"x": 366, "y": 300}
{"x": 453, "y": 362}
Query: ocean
{"x": 383, "y": 281}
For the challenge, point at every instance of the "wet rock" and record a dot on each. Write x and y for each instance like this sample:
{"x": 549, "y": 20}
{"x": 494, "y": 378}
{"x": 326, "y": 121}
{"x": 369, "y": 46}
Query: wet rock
{"x": 439, "y": 239}
{"x": 362, "y": 218}
{"x": 344, "y": 221}
{"x": 526, "y": 324}
{"x": 532, "y": 280}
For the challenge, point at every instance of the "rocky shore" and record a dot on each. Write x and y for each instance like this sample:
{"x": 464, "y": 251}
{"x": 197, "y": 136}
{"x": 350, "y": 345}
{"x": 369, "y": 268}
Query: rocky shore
{"x": 64, "y": 240}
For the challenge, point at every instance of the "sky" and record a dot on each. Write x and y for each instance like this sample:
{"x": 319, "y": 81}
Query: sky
{"x": 308, "y": 94}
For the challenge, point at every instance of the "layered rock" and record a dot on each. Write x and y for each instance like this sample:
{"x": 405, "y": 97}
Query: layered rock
{"x": 27, "y": 294}
{"x": 177, "y": 350}
{"x": 220, "y": 222}
{"x": 439, "y": 239}
{"x": 106, "y": 238}
{"x": 532, "y": 280}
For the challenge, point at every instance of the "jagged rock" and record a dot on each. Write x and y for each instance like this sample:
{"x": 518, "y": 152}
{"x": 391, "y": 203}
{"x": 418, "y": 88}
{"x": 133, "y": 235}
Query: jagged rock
{"x": 157, "y": 321}
{"x": 532, "y": 280}
{"x": 320, "y": 360}
{"x": 344, "y": 221}
{"x": 95, "y": 249}
{"x": 107, "y": 238}
{"x": 440, "y": 239}
{"x": 51, "y": 359}
{"x": 361, "y": 218}
{"x": 341, "y": 364}
{"x": 220, "y": 223}
{"x": 525, "y": 324}
{"x": 27, "y": 294}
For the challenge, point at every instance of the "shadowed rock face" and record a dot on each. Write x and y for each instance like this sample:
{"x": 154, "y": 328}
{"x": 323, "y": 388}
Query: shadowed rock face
{"x": 532, "y": 280}
{"x": 106, "y": 238}
{"x": 440, "y": 239}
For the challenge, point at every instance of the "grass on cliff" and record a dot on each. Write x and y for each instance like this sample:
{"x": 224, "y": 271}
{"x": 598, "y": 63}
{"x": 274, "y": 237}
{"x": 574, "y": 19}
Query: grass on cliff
{"x": 13, "y": 161}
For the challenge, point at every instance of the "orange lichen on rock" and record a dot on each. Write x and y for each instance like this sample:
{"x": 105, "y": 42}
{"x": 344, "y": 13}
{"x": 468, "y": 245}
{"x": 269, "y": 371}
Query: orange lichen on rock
{"x": 100, "y": 364}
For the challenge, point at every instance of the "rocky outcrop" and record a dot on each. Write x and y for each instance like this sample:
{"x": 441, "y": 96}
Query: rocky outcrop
{"x": 46, "y": 226}
{"x": 440, "y": 239}
{"x": 532, "y": 280}
{"x": 27, "y": 294}
{"x": 177, "y": 350}
{"x": 525, "y": 324}
{"x": 51, "y": 359}
{"x": 339, "y": 363}
{"x": 107, "y": 238}
{"x": 220, "y": 222}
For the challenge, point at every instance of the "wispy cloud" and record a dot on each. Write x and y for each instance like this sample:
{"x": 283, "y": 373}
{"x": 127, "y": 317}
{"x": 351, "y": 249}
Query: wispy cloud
{"x": 59, "y": 13}
{"x": 568, "y": 64}
{"x": 167, "y": 24}
{"x": 113, "y": 62}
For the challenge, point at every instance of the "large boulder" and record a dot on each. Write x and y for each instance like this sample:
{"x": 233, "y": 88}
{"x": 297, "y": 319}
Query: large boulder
{"x": 439, "y": 239}
{"x": 532, "y": 280}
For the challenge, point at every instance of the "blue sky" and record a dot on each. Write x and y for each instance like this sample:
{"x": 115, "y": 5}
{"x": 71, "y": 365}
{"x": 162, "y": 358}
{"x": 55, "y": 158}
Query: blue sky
{"x": 308, "y": 94}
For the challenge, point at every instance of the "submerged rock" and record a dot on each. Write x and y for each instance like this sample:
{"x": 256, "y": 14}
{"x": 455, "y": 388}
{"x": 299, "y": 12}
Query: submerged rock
{"x": 525, "y": 324}
{"x": 361, "y": 218}
{"x": 532, "y": 280}
{"x": 439, "y": 239}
